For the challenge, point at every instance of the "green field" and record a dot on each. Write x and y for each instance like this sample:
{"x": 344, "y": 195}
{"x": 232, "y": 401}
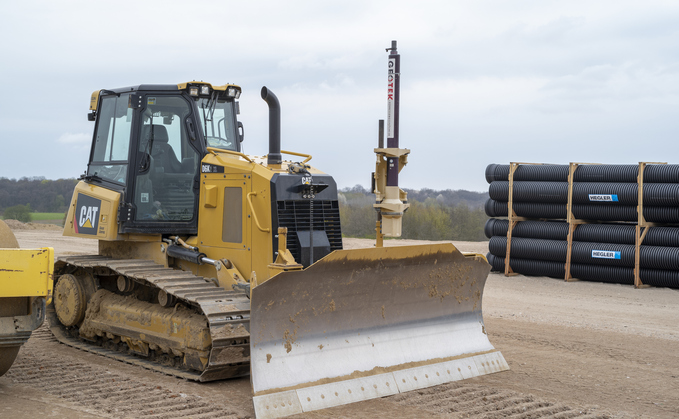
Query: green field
{"x": 44, "y": 216}
{"x": 48, "y": 217}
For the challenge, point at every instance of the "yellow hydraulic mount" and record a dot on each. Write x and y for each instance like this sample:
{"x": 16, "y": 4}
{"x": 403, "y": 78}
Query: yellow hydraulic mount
{"x": 390, "y": 199}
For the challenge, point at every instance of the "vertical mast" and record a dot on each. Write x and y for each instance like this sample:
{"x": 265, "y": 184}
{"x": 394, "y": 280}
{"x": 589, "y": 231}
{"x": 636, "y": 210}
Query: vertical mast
{"x": 393, "y": 102}
{"x": 390, "y": 200}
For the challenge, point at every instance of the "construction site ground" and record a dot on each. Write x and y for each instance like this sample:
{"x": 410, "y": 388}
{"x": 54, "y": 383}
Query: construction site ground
{"x": 576, "y": 350}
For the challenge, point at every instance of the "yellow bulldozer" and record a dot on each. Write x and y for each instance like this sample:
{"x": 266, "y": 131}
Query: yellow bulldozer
{"x": 25, "y": 290}
{"x": 215, "y": 264}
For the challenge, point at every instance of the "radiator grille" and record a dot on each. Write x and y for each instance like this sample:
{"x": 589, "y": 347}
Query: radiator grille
{"x": 295, "y": 215}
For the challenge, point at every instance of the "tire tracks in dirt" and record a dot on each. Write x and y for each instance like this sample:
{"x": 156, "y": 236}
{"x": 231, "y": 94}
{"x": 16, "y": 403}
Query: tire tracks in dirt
{"x": 113, "y": 393}
{"x": 636, "y": 376}
{"x": 576, "y": 350}
{"x": 104, "y": 390}
{"x": 459, "y": 400}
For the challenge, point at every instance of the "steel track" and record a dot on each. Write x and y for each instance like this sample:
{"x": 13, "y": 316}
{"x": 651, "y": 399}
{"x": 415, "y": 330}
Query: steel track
{"x": 225, "y": 311}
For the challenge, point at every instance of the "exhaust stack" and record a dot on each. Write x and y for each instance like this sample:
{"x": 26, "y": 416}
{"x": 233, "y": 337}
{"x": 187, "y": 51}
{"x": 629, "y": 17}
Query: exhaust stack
{"x": 270, "y": 98}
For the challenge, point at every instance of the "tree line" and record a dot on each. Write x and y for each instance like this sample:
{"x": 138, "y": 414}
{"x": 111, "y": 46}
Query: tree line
{"x": 433, "y": 215}
{"x": 25, "y": 195}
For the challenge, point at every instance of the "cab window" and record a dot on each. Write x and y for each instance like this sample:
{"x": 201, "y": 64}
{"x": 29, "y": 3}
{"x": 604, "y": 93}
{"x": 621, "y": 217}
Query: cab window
{"x": 109, "y": 159}
{"x": 217, "y": 120}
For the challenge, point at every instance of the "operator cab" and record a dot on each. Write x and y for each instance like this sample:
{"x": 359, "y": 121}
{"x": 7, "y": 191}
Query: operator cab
{"x": 148, "y": 143}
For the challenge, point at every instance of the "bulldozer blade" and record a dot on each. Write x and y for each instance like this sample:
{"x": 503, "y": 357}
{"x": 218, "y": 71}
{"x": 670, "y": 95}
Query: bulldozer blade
{"x": 367, "y": 323}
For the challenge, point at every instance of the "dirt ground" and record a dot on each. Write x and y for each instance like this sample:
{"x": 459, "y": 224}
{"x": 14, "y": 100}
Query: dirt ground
{"x": 578, "y": 349}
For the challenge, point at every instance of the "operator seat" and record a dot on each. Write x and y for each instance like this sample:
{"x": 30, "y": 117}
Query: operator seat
{"x": 172, "y": 186}
{"x": 164, "y": 158}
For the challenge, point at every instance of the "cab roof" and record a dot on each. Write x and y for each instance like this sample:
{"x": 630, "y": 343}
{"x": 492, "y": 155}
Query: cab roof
{"x": 157, "y": 87}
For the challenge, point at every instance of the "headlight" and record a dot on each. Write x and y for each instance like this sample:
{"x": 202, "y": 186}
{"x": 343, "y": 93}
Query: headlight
{"x": 193, "y": 91}
{"x": 205, "y": 89}
{"x": 233, "y": 92}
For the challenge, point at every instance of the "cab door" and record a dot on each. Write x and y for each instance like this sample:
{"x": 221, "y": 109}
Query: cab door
{"x": 164, "y": 196}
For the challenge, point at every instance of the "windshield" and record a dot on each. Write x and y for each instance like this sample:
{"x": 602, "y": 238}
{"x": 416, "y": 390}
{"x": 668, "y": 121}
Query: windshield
{"x": 217, "y": 119}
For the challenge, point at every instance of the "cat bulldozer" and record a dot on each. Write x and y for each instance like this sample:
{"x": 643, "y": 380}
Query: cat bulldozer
{"x": 215, "y": 264}
{"x": 25, "y": 290}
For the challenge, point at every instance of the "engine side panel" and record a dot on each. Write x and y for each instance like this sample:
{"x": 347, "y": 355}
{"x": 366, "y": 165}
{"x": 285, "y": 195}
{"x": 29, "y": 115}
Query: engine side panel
{"x": 225, "y": 220}
{"x": 93, "y": 213}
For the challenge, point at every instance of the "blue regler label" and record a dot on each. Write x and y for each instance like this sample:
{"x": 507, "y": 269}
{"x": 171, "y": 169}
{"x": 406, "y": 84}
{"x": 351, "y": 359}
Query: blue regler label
{"x": 605, "y": 254}
{"x": 603, "y": 198}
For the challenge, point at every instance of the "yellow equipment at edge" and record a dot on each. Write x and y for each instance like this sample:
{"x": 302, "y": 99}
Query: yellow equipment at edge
{"x": 215, "y": 264}
{"x": 25, "y": 289}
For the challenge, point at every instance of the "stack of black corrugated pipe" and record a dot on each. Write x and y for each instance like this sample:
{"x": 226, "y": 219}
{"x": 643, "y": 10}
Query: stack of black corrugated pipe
{"x": 601, "y": 193}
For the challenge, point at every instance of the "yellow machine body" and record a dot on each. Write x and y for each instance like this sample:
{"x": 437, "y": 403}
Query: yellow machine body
{"x": 234, "y": 221}
{"x": 215, "y": 264}
{"x": 26, "y": 272}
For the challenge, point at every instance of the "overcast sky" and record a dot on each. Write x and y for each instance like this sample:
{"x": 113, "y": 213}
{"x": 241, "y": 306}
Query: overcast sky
{"x": 482, "y": 81}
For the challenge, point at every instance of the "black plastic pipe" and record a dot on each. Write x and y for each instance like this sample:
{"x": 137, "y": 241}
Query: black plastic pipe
{"x": 524, "y": 209}
{"x": 270, "y": 98}
{"x": 655, "y": 194}
{"x": 545, "y": 192}
{"x": 660, "y": 173}
{"x": 528, "y": 267}
{"x": 609, "y": 254}
{"x": 597, "y": 233}
{"x": 537, "y": 249}
{"x": 583, "y": 211}
{"x": 550, "y": 230}
{"x": 598, "y": 273}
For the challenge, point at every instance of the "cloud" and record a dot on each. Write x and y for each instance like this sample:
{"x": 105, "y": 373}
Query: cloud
{"x": 558, "y": 31}
{"x": 610, "y": 87}
{"x": 77, "y": 140}
{"x": 482, "y": 82}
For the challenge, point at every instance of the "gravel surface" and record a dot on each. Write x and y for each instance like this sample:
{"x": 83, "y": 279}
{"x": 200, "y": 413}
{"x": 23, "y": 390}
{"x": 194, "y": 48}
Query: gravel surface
{"x": 576, "y": 350}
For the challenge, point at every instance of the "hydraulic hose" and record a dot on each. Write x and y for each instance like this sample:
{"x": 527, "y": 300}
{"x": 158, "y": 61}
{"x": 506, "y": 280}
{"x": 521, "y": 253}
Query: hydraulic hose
{"x": 183, "y": 253}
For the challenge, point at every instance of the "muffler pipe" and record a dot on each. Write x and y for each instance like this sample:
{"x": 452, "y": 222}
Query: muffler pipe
{"x": 274, "y": 156}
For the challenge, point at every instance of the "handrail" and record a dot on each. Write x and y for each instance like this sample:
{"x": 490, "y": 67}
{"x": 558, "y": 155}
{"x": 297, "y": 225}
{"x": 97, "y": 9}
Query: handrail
{"x": 254, "y": 214}
{"x": 308, "y": 156}
{"x": 215, "y": 150}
